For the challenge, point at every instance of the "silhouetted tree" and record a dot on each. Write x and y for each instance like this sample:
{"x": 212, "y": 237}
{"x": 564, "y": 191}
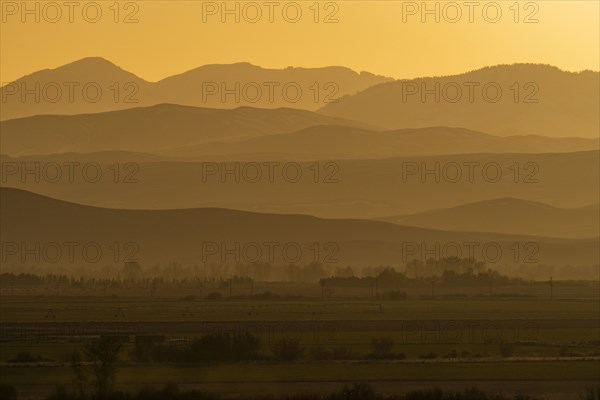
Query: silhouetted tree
{"x": 103, "y": 355}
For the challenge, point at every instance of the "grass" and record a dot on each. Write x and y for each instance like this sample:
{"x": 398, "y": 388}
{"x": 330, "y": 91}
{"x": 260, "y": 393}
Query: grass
{"x": 111, "y": 309}
{"x": 322, "y": 371}
{"x": 535, "y": 327}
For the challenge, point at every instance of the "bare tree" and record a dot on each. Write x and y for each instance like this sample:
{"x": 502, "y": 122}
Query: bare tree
{"x": 103, "y": 357}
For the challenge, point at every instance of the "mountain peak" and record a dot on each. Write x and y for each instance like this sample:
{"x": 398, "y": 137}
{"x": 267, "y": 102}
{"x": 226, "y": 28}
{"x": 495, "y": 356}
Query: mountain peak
{"x": 90, "y": 63}
{"x": 93, "y": 60}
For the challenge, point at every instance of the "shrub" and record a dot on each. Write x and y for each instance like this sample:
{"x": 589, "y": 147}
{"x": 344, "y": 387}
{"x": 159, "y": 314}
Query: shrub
{"x": 209, "y": 348}
{"x": 592, "y": 393}
{"x": 214, "y": 296}
{"x": 343, "y": 353}
{"x": 287, "y": 350}
{"x": 394, "y": 295}
{"x": 8, "y": 392}
{"x": 382, "y": 347}
{"x": 506, "y": 349}
{"x": 428, "y": 356}
{"x": 451, "y": 354}
{"x": 320, "y": 353}
{"x": 244, "y": 346}
{"x": 358, "y": 391}
{"x": 25, "y": 357}
{"x": 564, "y": 351}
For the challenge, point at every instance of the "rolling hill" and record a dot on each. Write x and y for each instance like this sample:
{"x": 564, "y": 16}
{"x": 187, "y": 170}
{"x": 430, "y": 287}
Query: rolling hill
{"x": 369, "y": 188}
{"x": 164, "y": 236}
{"x": 253, "y": 133}
{"x": 508, "y": 215}
{"x": 344, "y": 142}
{"x": 151, "y": 129}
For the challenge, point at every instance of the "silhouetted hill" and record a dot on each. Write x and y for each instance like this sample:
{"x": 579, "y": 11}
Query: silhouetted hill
{"x": 97, "y": 157}
{"x": 83, "y": 86}
{"x": 254, "y": 133}
{"x": 369, "y": 188}
{"x": 163, "y": 236}
{"x": 119, "y": 89}
{"x": 344, "y": 142}
{"x": 566, "y": 103}
{"x": 304, "y": 88}
{"x": 150, "y": 129}
{"x": 509, "y": 215}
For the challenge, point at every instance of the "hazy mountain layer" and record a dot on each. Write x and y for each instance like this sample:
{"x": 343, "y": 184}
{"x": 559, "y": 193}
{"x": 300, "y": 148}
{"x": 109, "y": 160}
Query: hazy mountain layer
{"x": 67, "y": 233}
{"x": 509, "y": 215}
{"x": 94, "y": 85}
{"x": 326, "y": 188}
{"x": 520, "y": 99}
{"x": 151, "y": 129}
{"x": 344, "y": 142}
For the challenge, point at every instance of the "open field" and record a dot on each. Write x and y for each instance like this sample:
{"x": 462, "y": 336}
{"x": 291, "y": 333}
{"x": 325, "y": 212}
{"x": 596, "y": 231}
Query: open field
{"x": 452, "y": 344}
{"x": 552, "y": 380}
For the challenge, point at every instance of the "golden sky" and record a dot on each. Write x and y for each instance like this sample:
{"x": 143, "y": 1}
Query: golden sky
{"x": 383, "y": 37}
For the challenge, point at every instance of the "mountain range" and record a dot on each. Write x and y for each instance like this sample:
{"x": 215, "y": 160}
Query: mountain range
{"x": 254, "y": 133}
{"x": 505, "y": 100}
{"x": 98, "y": 85}
{"x": 390, "y": 162}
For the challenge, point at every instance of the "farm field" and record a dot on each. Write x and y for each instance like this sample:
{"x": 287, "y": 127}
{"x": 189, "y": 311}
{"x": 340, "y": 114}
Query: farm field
{"x": 500, "y": 345}
{"x": 552, "y": 380}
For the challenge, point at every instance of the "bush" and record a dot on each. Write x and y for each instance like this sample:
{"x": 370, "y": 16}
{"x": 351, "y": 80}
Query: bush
{"x": 358, "y": 391}
{"x": 168, "y": 392}
{"x": 592, "y": 393}
{"x": 564, "y": 351}
{"x": 209, "y": 348}
{"x": 214, "y": 296}
{"x": 467, "y": 394}
{"x": 506, "y": 349}
{"x": 382, "y": 347}
{"x": 287, "y": 350}
{"x": 394, "y": 295}
{"x": 213, "y": 347}
{"x": 8, "y": 392}
{"x": 336, "y": 353}
{"x": 451, "y": 354}
{"x": 61, "y": 393}
{"x": 343, "y": 353}
{"x": 25, "y": 357}
{"x": 320, "y": 353}
{"x": 428, "y": 356}
{"x": 244, "y": 347}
